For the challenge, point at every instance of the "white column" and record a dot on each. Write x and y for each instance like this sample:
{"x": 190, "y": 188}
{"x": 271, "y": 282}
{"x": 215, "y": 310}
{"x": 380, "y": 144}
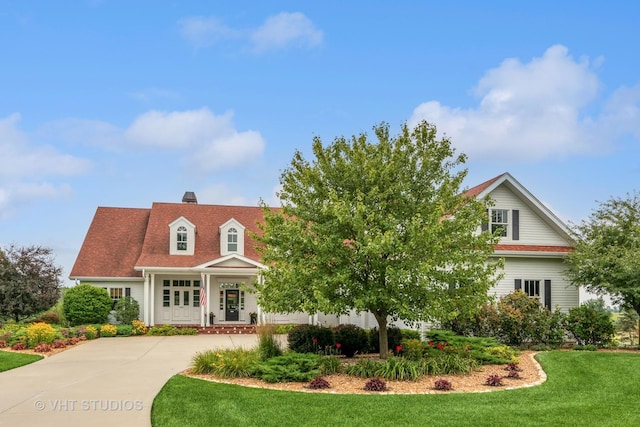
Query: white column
{"x": 152, "y": 301}
{"x": 145, "y": 299}
{"x": 204, "y": 318}
{"x": 208, "y": 296}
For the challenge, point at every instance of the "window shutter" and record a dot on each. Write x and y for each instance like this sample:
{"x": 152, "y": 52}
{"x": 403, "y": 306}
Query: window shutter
{"x": 485, "y": 224}
{"x": 547, "y": 294}
{"x": 515, "y": 217}
{"x": 518, "y": 284}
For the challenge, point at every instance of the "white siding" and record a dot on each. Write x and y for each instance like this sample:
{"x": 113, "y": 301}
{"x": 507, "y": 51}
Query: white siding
{"x": 563, "y": 293}
{"x": 533, "y": 230}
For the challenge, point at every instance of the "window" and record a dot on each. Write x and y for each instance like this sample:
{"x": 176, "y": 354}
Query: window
{"x": 532, "y": 288}
{"x": 166, "y": 298}
{"x": 182, "y": 238}
{"x": 117, "y": 293}
{"x": 499, "y": 221}
{"x": 232, "y": 240}
{"x": 196, "y": 297}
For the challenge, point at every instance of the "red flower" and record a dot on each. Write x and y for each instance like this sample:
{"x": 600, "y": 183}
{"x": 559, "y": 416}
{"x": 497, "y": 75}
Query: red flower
{"x": 398, "y": 348}
{"x": 430, "y": 343}
{"x": 440, "y": 346}
{"x": 338, "y": 345}
{"x": 315, "y": 340}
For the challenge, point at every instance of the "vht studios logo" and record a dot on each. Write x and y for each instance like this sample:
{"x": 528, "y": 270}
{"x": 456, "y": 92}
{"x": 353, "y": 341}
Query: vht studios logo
{"x": 72, "y": 405}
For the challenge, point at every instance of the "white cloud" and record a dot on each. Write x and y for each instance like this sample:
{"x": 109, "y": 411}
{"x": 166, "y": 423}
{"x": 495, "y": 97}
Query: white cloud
{"x": 277, "y": 32}
{"x": 211, "y": 142}
{"x": 286, "y": 29}
{"x": 528, "y": 111}
{"x": 21, "y": 158}
{"x": 221, "y": 194}
{"x": 203, "y": 31}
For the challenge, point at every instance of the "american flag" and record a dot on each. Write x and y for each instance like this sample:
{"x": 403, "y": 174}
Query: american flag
{"x": 203, "y": 296}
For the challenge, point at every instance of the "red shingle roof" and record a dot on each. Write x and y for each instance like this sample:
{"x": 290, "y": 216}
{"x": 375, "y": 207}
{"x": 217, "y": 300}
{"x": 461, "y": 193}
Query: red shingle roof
{"x": 474, "y": 191}
{"x": 113, "y": 243}
{"x": 533, "y": 248}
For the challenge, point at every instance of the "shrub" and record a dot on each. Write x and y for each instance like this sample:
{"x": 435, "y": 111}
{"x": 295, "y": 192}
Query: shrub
{"x": 587, "y": 347}
{"x": 284, "y": 329}
{"x": 3, "y": 344}
{"x": 58, "y": 344}
{"x": 86, "y": 303}
{"x": 394, "y": 338}
{"x": 187, "y": 331}
{"x": 127, "y": 310}
{"x": 90, "y": 332}
{"x": 310, "y": 338}
{"x": 124, "y": 330}
{"x": 443, "y": 385}
{"x": 412, "y": 349}
{"x": 318, "y": 383}
{"x": 71, "y": 341}
{"x": 494, "y": 380}
{"x": 330, "y": 365}
{"x": 108, "y": 330}
{"x": 38, "y": 333}
{"x": 42, "y": 348}
{"x": 375, "y": 384}
{"x": 138, "y": 327}
{"x": 268, "y": 345}
{"x": 290, "y": 367}
{"x": 51, "y": 318}
{"x": 231, "y": 363}
{"x": 353, "y": 339}
{"x": 163, "y": 330}
{"x": 591, "y": 323}
{"x": 410, "y": 334}
{"x": 19, "y": 346}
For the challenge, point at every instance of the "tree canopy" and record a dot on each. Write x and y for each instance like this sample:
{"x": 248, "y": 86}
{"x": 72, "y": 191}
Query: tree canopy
{"x": 30, "y": 281}
{"x": 380, "y": 227}
{"x": 606, "y": 259}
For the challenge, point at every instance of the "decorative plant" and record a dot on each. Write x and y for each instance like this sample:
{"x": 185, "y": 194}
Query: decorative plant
{"x": 513, "y": 375}
{"x": 139, "y": 328}
{"x": 513, "y": 366}
{"x": 58, "y": 344}
{"x": 443, "y": 385}
{"x": 19, "y": 346}
{"x": 375, "y": 384}
{"x": 318, "y": 383}
{"x": 40, "y": 333}
{"x": 494, "y": 380}
{"x": 108, "y": 330}
{"x": 42, "y": 348}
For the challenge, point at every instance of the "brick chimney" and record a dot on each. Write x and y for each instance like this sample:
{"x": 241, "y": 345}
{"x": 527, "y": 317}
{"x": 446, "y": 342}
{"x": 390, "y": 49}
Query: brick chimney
{"x": 190, "y": 197}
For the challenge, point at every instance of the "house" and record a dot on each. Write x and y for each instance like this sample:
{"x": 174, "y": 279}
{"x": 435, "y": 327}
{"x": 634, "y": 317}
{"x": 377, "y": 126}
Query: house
{"x": 185, "y": 261}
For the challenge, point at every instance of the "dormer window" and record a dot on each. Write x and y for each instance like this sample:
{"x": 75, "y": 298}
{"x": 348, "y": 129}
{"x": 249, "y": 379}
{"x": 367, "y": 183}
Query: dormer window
{"x": 232, "y": 240}
{"x": 182, "y": 238}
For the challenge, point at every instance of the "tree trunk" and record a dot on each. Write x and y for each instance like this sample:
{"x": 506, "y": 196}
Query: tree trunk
{"x": 382, "y": 334}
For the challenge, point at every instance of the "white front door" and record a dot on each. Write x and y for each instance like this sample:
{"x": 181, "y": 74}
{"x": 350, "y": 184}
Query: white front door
{"x": 181, "y": 305}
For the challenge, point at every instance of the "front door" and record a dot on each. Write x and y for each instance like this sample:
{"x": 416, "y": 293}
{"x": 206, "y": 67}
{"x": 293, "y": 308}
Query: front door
{"x": 232, "y": 302}
{"x": 181, "y": 307}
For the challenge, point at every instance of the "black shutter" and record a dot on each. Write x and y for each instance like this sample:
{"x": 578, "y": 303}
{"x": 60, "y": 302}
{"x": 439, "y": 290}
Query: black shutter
{"x": 485, "y": 223}
{"x": 518, "y": 284}
{"x": 515, "y": 217}
{"x": 547, "y": 294}
{"x": 127, "y": 292}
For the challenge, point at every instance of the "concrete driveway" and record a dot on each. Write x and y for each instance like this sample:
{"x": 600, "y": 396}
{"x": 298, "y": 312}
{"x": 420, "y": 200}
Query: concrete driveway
{"x": 106, "y": 382}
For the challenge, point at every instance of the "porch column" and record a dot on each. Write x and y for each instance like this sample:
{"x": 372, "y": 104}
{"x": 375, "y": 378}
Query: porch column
{"x": 152, "y": 301}
{"x": 145, "y": 298}
{"x": 208, "y": 297}
{"x": 204, "y": 319}
{"x": 259, "y": 319}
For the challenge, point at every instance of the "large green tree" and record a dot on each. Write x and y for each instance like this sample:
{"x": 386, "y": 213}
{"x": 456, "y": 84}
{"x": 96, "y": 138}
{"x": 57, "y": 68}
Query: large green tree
{"x": 377, "y": 226}
{"x": 30, "y": 281}
{"x": 606, "y": 259}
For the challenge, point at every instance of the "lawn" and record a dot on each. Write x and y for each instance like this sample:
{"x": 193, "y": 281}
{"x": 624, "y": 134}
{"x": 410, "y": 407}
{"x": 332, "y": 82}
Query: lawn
{"x": 583, "y": 388}
{"x": 10, "y": 360}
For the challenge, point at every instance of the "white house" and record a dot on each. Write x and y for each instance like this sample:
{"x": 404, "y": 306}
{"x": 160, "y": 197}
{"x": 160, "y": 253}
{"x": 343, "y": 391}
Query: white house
{"x": 183, "y": 261}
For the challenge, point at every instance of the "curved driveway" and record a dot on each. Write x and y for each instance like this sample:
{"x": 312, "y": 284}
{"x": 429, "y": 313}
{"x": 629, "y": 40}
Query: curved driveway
{"x": 106, "y": 382}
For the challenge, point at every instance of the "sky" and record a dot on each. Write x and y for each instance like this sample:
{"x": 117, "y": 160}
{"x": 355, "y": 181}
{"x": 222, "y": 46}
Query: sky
{"x": 126, "y": 103}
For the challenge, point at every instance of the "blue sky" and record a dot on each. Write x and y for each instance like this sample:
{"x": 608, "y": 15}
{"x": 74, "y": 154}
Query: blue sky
{"x": 116, "y": 103}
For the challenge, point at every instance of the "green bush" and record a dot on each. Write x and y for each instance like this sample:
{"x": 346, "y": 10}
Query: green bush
{"x": 90, "y": 332}
{"x": 591, "y": 323}
{"x": 410, "y": 334}
{"x": 352, "y": 339}
{"x": 310, "y": 339}
{"x": 127, "y": 310}
{"x": 290, "y": 367}
{"x": 124, "y": 330}
{"x": 187, "y": 331}
{"x": 86, "y": 303}
{"x": 412, "y": 349}
{"x": 394, "y": 339}
{"x": 163, "y": 330}
{"x": 268, "y": 345}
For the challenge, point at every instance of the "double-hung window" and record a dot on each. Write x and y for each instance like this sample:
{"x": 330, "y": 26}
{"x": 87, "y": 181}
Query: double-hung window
{"x": 499, "y": 221}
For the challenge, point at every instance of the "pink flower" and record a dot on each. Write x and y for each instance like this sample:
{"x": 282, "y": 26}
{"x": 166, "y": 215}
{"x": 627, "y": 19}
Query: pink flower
{"x": 315, "y": 340}
{"x": 398, "y": 348}
{"x": 338, "y": 345}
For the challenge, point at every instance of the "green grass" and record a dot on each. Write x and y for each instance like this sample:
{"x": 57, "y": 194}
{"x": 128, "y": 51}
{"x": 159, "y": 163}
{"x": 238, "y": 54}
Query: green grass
{"x": 583, "y": 388}
{"x": 10, "y": 360}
